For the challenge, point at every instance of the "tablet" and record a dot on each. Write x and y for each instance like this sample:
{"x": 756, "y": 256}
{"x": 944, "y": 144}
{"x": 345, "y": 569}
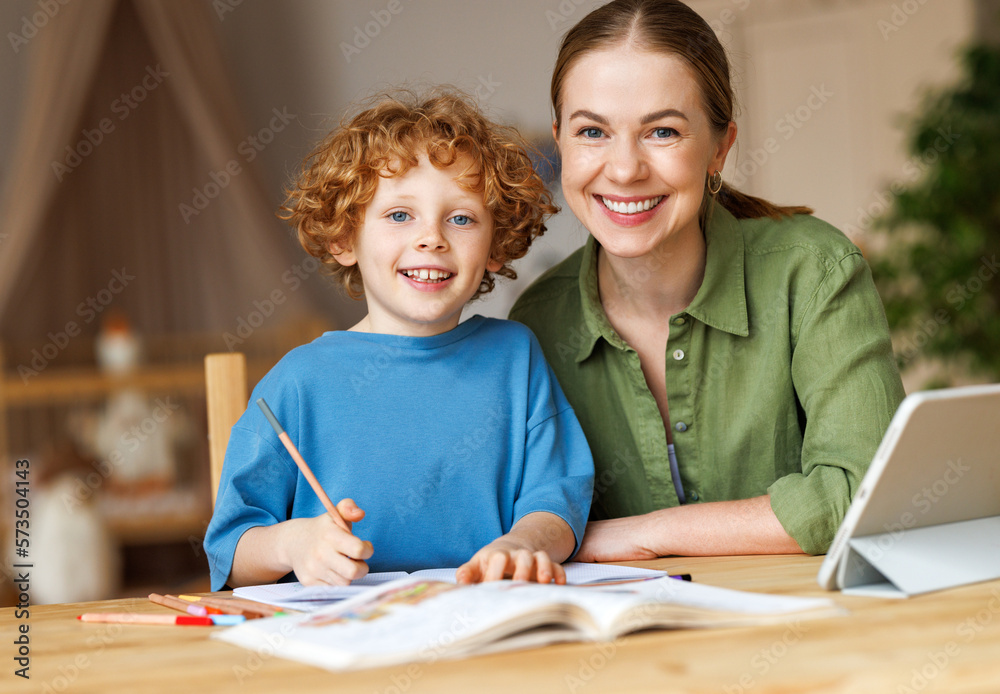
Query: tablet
{"x": 927, "y": 513}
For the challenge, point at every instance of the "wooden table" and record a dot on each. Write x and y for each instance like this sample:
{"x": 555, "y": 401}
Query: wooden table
{"x": 941, "y": 642}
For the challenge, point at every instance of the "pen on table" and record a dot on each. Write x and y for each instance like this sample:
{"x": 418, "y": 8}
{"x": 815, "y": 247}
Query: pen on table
{"x": 303, "y": 466}
{"x": 679, "y": 577}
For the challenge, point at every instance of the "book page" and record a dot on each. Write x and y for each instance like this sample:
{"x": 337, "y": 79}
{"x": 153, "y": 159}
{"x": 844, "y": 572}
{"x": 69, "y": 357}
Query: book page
{"x": 670, "y": 602}
{"x": 447, "y": 575}
{"x": 418, "y": 620}
{"x": 296, "y": 596}
{"x": 713, "y": 598}
{"x": 310, "y": 598}
{"x": 581, "y": 574}
{"x": 403, "y": 621}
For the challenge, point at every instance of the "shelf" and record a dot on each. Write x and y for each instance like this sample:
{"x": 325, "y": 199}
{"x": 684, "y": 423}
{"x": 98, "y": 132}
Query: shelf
{"x": 153, "y": 531}
{"x": 72, "y": 385}
{"x": 169, "y": 517}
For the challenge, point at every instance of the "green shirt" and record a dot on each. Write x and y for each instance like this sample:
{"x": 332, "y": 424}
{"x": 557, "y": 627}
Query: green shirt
{"x": 780, "y": 376}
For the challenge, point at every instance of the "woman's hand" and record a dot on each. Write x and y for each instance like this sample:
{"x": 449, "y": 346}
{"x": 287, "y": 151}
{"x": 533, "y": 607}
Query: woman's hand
{"x": 619, "y": 539}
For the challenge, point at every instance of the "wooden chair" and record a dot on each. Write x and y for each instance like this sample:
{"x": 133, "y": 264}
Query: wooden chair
{"x": 226, "y": 396}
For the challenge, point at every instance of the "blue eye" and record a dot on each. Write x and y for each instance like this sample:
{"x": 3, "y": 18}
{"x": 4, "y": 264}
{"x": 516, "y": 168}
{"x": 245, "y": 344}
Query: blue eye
{"x": 399, "y": 216}
{"x": 461, "y": 220}
{"x": 591, "y": 133}
{"x": 663, "y": 133}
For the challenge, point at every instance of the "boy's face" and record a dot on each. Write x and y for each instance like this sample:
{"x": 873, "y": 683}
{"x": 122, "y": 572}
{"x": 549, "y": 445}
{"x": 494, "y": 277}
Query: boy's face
{"x": 422, "y": 250}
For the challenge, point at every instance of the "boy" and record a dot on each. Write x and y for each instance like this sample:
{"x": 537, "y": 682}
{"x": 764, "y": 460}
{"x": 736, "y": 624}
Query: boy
{"x": 456, "y": 440}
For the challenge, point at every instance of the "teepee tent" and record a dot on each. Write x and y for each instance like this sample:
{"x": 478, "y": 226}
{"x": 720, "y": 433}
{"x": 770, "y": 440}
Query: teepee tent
{"x": 133, "y": 184}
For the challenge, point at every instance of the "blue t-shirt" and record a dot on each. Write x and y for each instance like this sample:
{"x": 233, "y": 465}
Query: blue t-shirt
{"x": 444, "y": 442}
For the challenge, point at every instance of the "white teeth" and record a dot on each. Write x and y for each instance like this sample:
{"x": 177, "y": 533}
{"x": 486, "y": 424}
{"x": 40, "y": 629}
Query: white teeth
{"x": 428, "y": 276}
{"x": 632, "y": 207}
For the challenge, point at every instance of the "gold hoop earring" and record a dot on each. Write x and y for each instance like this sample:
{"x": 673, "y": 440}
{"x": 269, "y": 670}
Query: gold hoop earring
{"x": 715, "y": 182}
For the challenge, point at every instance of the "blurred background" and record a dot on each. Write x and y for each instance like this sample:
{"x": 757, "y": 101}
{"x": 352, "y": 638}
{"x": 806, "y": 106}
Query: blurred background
{"x": 145, "y": 145}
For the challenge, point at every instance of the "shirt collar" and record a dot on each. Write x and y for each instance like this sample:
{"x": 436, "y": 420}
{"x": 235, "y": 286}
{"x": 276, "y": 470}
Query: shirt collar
{"x": 595, "y": 321}
{"x": 720, "y": 302}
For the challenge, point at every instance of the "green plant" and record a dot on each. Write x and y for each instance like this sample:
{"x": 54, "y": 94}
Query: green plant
{"x": 939, "y": 274}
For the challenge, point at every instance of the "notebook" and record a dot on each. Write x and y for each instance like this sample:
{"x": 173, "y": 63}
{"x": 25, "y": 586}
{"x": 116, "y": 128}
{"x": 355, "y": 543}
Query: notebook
{"x": 309, "y": 598}
{"x": 927, "y": 513}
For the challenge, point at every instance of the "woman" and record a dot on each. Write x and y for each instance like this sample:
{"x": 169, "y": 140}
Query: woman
{"x": 729, "y": 359}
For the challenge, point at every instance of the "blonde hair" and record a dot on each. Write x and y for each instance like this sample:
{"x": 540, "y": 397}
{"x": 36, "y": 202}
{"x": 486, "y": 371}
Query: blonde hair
{"x": 327, "y": 202}
{"x": 671, "y": 27}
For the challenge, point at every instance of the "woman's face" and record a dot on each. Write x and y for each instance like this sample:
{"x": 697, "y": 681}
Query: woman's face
{"x": 636, "y": 148}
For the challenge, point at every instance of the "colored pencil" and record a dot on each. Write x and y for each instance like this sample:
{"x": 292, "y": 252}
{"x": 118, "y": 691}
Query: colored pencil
{"x": 238, "y": 604}
{"x": 133, "y": 618}
{"x": 178, "y": 604}
{"x": 227, "y": 620}
{"x": 303, "y": 466}
{"x": 224, "y": 609}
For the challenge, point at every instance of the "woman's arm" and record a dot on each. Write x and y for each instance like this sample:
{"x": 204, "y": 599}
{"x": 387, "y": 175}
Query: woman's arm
{"x": 746, "y": 526}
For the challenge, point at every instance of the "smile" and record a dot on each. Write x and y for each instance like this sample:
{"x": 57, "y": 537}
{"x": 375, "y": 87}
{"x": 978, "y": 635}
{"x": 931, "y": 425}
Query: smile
{"x": 427, "y": 276}
{"x": 632, "y": 207}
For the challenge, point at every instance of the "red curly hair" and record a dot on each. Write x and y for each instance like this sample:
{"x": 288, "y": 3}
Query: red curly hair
{"x": 327, "y": 202}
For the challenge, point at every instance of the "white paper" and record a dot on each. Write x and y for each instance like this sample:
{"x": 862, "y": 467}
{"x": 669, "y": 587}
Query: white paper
{"x": 311, "y": 598}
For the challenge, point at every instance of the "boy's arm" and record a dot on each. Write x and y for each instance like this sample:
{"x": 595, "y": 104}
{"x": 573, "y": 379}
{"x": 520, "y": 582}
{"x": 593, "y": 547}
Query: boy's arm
{"x": 556, "y": 486}
{"x": 533, "y": 550}
{"x": 317, "y": 549}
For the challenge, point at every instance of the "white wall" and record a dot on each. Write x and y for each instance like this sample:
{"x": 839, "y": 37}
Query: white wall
{"x": 831, "y": 89}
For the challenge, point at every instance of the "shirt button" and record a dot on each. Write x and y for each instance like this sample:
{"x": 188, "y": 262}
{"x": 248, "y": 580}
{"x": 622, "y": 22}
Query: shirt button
{"x": 693, "y": 496}
{"x": 678, "y": 354}
{"x": 681, "y": 426}
{"x": 679, "y": 320}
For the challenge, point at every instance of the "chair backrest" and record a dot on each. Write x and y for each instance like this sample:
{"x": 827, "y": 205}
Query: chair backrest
{"x": 226, "y": 397}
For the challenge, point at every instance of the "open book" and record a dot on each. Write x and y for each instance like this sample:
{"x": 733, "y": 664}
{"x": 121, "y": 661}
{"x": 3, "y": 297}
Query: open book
{"x": 310, "y": 598}
{"x": 414, "y": 619}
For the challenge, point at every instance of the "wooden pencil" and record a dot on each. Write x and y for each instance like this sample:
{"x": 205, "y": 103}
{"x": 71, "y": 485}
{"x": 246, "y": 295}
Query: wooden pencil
{"x": 176, "y": 603}
{"x": 302, "y": 465}
{"x": 134, "y": 618}
{"x": 208, "y": 602}
{"x": 237, "y": 605}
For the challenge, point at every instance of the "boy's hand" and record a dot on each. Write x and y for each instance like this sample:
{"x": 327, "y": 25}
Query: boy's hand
{"x": 505, "y": 559}
{"x": 531, "y": 551}
{"x": 321, "y": 552}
